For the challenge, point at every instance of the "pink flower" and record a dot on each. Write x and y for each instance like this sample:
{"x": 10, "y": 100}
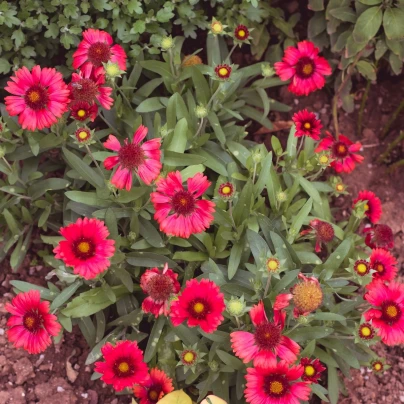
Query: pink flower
{"x": 123, "y": 366}
{"x": 384, "y": 264}
{"x": 343, "y": 152}
{"x": 201, "y": 303}
{"x": 156, "y": 387}
{"x": 143, "y": 159}
{"x": 31, "y": 325}
{"x": 307, "y": 124}
{"x": 90, "y": 87}
{"x": 276, "y": 383}
{"x": 40, "y": 97}
{"x": 179, "y": 211}
{"x": 95, "y": 49}
{"x": 312, "y": 369}
{"x": 304, "y": 67}
{"x": 267, "y": 341}
{"x": 373, "y": 207}
{"x": 86, "y": 247}
{"x": 160, "y": 286}
{"x": 388, "y": 314}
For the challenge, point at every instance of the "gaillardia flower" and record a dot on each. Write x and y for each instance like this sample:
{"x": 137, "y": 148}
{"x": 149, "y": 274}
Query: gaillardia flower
{"x": 241, "y": 33}
{"x": 178, "y": 210}
{"x": 373, "y": 206}
{"x": 343, "y": 152}
{"x": 388, "y": 312}
{"x": 276, "y": 383}
{"x": 366, "y": 331}
{"x": 384, "y": 264}
{"x": 226, "y": 191}
{"x": 200, "y": 303}
{"x": 123, "y": 366}
{"x": 216, "y": 27}
{"x": 40, "y": 97}
{"x": 86, "y": 247}
{"x": 312, "y": 369}
{"x": 83, "y": 135}
{"x": 81, "y": 111}
{"x": 361, "y": 267}
{"x": 133, "y": 157}
{"x": 95, "y": 49}
{"x": 160, "y": 286}
{"x": 267, "y": 341}
{"x": 377, "y": 366}
{"x": 379, "y": 236}
{"x": 190, "y": 357}
{"x": 31, "y": 326}
{"x": 323, "y": 231}
{"x": 223, "y": 71}
{"x": 304, "y": 68}
{"x": 155, "y": 388}
{"x": 307, "y": 124}
{"x": 191, "y": 60}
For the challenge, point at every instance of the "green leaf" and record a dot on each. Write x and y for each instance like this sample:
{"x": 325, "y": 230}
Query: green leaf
{"x": 299, "y": 219}
{"x": 344, "y": 14}
{"x": 18, "y": 37}
{"x": 149, "y": 105}
{"x": 50, "y": 184}
{"x": 66, "y": 294}
{"x": 335, "y": 259}
{"x": 328, "y": 317}
{"x": 5, "y": 66}
{"x": 179, "y": 139}
{"x": 125, "y": 278}
{"x": 309, "y": 333}
{"x": 172, "y": 158}
{"x": 87, "y": 198}
{"x": 240, "y": 152}
{"x": 150, "y": 233}
{"x": 366, "y": 69}
{"x": 190, "y": 256}
{"x": 370, "y": 2}
{"x": 242, "y": 209}
{"x": 368, "y": 24}
{"x": 393, "y": 23}
{"x": 292, "y": 142}
{"x": 319, "y": 391}
{"x": 11, "y": 222}
{"x": 285, "y": 281}
{"x": 163, "y": 69}
{"x": 230, "y": 360}
{"x": 217, "y": 128}
{"x": 316, "y": 5}
{"x": 333, "y": 385}
{"x": 26, "y": 287}
{"x": 154, "y": 337}
{"x": 201, "y": 86}
{"x": 235, "y": 257}
{"x": 258, "y": 245}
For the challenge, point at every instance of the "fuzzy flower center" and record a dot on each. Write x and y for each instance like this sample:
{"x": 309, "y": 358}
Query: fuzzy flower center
{"x": 82, "y": 134}
{"x": 99, "y": 53}
{"x": 267, "y": 335}
{"x": 131, "y": 156}
{"x": 340, "y": 149}
{"x": 183, "y": 203}
{"x": 383, "y": 235}
{"x": 361, "y": 267}
{"x": 379, "y": 267}
{"x": 36, "y": 97}
{"x": 377, "y": 366}
{"x": 307, "y": 125}
{"x": 160, "y": 287}
{"x": 153, "y": 395}
{"x": 32, "y": 321}
{"x": 309, "y": 370}
{"x": 83, "y": 249}
{"x": 198, "y": 308}
{"x": 226, "y": 190}
{"x": 307, "y": 296}
{"x": 223, "y": 71}
{"x": 366, "y": 331}
{"x": 188, "y": 357}
{"x": 391, "y": 313}
{"x": 272, "y": 265}
{"x": 123, "y": 368}
{"x": 276, "y": 385}
{"x": 304, "y": 67}
{"x": 325, "y": 231}
{"x": 85, "y": 90}
{"x": 81, "y": 113}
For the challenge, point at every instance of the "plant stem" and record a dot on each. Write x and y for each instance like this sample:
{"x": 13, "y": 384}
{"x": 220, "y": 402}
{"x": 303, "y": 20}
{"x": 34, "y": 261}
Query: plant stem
{"x": 124, "y": 96}
{"x": 238, "y": 322}
{"x": 230, "y": 53}
{"x": 108, "y": 123}
{"x": 95, "y": 161}
{"x": 362, "y": 108}
{"x": 390, "y": 147}
{"x": 172, "y": 67}
{"x": 254, "y": 173}
{"x": 388, "y": 125}
{"x": 231, "y": 215}
{"x": 11, "y": 169}
{"x": 267, "y": 285}
{"x": 395, "y": 165}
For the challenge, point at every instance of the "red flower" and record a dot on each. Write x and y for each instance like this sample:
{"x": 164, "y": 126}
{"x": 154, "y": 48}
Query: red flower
{"x": 123, "y": 366}
{"x": 275, "y": 383}
{"x": 241, "y": 32}
{"x": 323, "y": 232}
{"x": 366, "y": 331}
{"x": 384, "y": 264}
{"x": 361, "y": 267}
{"x": 143, "y": 159}
{"x": 179, "y": 211}
{"x": 82, "y": 135}
{"x": 267, "y": 341}
{"x": 343, "y": 152}
{"x": 89, "y": 88}
{"x": 307, "y": 124}
{"x": 312, "y": 369}
{"x": 226, "y": 190}
{"x": 388, "y": 313}
{"x": 40, "y": 97}
{"x": 156, "y": 387}
{"x": 80, "y": 111}
{"x": 379, "y": 236}
{"x": 95, "y": 49}
{"x": 304, "y": 67}
{"x": 373, "y": 207}
{"x": 159, "y": 285}
{"x": 201, "y": 303}
{"x": 223, "y": 71}
{"x": 31, "y": 326}
{"x": 86, "y": 247}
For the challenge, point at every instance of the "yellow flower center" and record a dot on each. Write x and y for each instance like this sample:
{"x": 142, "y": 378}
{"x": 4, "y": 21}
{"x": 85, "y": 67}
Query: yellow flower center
{"x": 366, "y": 207}
{"x": 223, "y": 71}
{"x": 391, "y": 311}
{"x": 379, "y": 267}
{"x": 309, "y": 370}
{"x": 29, "y": 321}
{"x": 276, "y": 387}
{"x": 307, "y": 69}
{"x": 377, "y": 366}
{"x": 123, "y": 367}
{"x": 366, "y": 331}
{"x": 153, "y": 395}
{"x": 307, "y": 296}
{"x": 307, "y": 125}
{"x": 183, "y": 201}
{"x": 84, "y": 247}
{"x": 83, "y": 135}
{"x": 241, "y": 33}
{"x": 81, "y": 113}
{"x": 339, "y": 187}
{"x": 341, "y": 149}
{"x": 189, "y": 357}
{"x": 324, "y": 159}
{"x": 34, "y": 96}
{"x": 217, "y": 27}
{"x": 199, "y": 307}
{"x": 362, "y": 268}
{"x": 226, "y": 190}
{"x": 272, "y": 264}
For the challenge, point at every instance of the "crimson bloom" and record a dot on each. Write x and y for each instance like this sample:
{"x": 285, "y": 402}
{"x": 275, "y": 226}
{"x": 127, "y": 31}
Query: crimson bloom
{"x": 156, "y": 387}
{"x": 267, "y": 341}
{"x": 223, "y": 71}
{"x": 86, "y": 247}
{"x": 159, "y": 285}
{"x": 31, "y": 325}
{"x": 123, "y": 366}
{"x": 373, "y": 207}
{"x": 40, "y": 97}
{"x": 178, "y": 210}
{"x": 343, "y": 152}
{"x": 90, "y": 87}
{"x": 95, "y": 49}
{"x": 323, "y": 232}
{"x": 133, "y": 157}
{"x": 384, "y": 264}
{"x": 379, "y": 236}
{"x": 388, "y": 313}
{"x": 81, "y": 111}
{"x": 241, "y": 32}
{"x": 304, "y": 68}
{"x": 307, "y": 124}
{"x": 276, "y": 383}
{"x": 200, "y": 303}
{"x": 312, "y": 369}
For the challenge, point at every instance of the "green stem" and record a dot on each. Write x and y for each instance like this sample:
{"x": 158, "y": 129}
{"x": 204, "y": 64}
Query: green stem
{"x": 238, "y": 322}
{"x": 395, "y": 165}
{"x": 390, "y": 147}
{"x": 395, "y": 115}
{"x": 230, "y": 53}
{"x": 108, "y": 123}
{"x": 95, "y": 161}
{"x": 124, "y": 97}
{"x": 11, "y": 170}
{"x": 362, "y": 108}
{"x": 172, "y": 67}
{"x": 231, "y": 215}
{"x": 267, "y": 285}
{"x": 254, "y": 173}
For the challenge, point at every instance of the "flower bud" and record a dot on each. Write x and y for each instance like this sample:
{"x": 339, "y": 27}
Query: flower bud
{"x": 201, "y": 111}
{"x": 167, "y": 43}
{"x": 267, "y": 70}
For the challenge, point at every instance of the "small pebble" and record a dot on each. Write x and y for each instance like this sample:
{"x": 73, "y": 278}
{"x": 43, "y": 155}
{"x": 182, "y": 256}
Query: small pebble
{"x": 60, "y": 389}
{"x": 84, "y": 395}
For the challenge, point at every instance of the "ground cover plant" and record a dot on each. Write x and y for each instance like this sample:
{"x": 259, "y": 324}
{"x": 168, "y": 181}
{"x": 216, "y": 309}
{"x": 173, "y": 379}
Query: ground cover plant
{"x": 199, "y": 265}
